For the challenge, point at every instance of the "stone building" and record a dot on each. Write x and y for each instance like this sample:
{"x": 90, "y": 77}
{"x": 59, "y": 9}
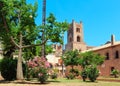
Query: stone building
{"x": 111, "y": 49}
{"x": 75, "y": 37}
{"x": 55, "y": 58}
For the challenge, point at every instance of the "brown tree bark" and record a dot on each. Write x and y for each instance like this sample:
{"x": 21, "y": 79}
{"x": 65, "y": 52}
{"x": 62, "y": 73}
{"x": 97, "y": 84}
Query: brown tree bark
{"x": 19, "y": 63}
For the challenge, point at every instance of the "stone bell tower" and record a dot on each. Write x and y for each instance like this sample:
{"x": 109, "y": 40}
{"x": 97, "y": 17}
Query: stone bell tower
{"x": 75, "y": 38}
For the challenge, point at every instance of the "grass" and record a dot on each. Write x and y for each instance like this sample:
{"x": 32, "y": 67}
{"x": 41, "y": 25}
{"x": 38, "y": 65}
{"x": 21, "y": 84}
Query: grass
{"x": 78, "y": 82}
{"x": 61, "y": 82}
{"x": 111, "y": 78}
{"x": 64, "y": 80}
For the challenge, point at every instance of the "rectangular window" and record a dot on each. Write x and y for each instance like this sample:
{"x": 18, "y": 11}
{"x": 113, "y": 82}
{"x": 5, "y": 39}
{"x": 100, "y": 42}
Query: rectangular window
{"x": 107, "y": 56}
{"x": 116, "y": 54}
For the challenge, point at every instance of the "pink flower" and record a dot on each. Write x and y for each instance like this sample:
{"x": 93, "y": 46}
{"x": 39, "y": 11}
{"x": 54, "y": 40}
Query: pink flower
{"x": 47, "y": 64}
{"x": 40, "y": 74}
{"x": 43, "y": 59}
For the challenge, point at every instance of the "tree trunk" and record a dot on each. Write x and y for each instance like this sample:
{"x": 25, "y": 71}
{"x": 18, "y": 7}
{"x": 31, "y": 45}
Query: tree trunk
{"x": 19, "y": 63}
{"x": 43, "y": 23}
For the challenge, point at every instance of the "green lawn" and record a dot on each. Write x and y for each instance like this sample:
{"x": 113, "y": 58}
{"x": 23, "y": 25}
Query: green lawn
{"x": 60, "y": 82}
{"x": 77, "y": 82}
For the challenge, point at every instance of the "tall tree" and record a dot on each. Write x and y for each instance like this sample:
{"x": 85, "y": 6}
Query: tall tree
{"x": 71, "y": 58}
{"x": 90, "y": 58}
{"x": 43, "y": 23}
{"x": 89, "y": 62}
{"x": 18, "y": 20}
{"x": 19, "y": 29}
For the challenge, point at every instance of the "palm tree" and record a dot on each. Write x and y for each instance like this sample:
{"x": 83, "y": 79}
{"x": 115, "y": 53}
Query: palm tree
{"x": 43, "y": 23}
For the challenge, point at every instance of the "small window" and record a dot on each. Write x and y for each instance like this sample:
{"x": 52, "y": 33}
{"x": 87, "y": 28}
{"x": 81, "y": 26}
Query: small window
{"x": 77, "y": 29}
{"x": 117, "y": 54}
{"x": 78, "y": 39}
{"x": 112, "y": 68}
{"x": 107, "y": 56}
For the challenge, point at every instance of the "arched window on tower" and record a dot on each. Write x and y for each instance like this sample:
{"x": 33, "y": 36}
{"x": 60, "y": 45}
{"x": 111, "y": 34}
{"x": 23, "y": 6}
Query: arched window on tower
{"x": 78, "y": 38}
{"x": 77, "y": 29}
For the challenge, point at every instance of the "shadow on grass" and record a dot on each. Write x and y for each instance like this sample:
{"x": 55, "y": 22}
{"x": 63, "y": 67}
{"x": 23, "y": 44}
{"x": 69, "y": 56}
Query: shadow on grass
{"x": 27, "y": 82}
{"x": 88, "y": 81}
{"x": 22, "y": 82}
{"x": 53, "y": 81}
{"x": 3, "y": 81}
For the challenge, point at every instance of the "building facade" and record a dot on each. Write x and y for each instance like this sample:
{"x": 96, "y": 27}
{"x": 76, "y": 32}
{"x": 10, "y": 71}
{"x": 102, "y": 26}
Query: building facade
{"x": 111, "y": 49}
{"x": 75, "y": 37}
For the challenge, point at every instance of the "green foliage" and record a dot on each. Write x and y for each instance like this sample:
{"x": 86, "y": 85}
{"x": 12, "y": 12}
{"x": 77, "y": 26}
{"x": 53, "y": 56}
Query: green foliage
{"x": 48, "y": 49}
{"x": 18, "y": 22}
{"x": 75, "y": 72}
{"x": 43, "y": 75}
{"x": 89, "y": 62}
{"x": 8, "y": 68}
{"x": 115, "y": 73}
{"x": 39, "y": 68}
{"x": 53, "y": 76}
{"x": 92, "y": 73}
{"x": 53, "y": 30}
{"x": 71, "y": 58}
{"x": 70, "y": 76}
{"x": 54, "y": 73}
{"x": 20, "y": 18}
{"x": 83, "y": 74}
{"x": 90, "y": 58}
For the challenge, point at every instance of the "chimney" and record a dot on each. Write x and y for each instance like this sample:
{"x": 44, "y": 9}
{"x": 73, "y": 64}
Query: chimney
{"x": 112, "y": 39}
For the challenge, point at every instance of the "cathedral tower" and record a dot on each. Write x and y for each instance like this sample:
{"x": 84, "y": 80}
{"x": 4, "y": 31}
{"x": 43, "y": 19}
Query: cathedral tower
{"x": 75, "y": 38}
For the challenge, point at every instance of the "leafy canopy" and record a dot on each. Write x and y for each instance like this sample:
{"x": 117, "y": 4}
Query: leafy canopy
{"x": 71, "y": 57}
{"x": 90, "y": 58}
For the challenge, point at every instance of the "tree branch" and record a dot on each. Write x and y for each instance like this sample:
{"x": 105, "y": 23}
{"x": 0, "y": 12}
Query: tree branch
{"x": 6, "y": 27}
{"x": 33, "y": 45}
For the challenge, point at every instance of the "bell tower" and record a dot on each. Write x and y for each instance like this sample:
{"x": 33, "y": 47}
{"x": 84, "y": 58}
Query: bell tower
{"x": 75, "y": 38}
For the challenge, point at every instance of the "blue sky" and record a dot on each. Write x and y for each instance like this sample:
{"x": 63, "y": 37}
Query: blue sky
{"x": 100, "y": 18}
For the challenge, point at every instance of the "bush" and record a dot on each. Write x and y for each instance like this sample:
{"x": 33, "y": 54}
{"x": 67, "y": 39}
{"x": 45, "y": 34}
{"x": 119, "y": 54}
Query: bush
{"x": 8, "y": 68}
{"x": 75, "y": 72}
{"x": 84, "y": 74}
{"x": 70, "y": 76}
{"x": 92, "y": 73}
{"x": 115, "y": 73}
{"x": 54, "y": 76}
{"x": 39, "y": 67}
{"x": 42, "y": 75}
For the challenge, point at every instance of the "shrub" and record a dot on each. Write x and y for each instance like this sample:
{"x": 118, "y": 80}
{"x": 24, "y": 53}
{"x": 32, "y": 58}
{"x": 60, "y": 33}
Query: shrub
{"x": 8, "y": 68}
{"x": 39, "y": 67}
{"x": 42, "y": 75}
{"x": 84, "y": 74}
{"x": 54, "y": 76}
{"x": 70, "y": 76}
{"x": 115, "y": 73}
{"x": 54, "y": 73}
{"x": 92, "y": 73}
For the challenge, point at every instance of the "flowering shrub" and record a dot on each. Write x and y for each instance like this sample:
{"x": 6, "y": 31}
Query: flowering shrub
{"x": 39, "y": 66}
